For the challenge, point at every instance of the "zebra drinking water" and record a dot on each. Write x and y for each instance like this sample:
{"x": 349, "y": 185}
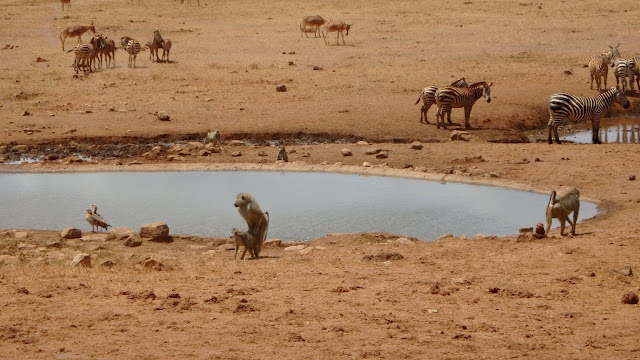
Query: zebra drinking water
{"x": 454, "y": 97}
{"x": 563, "y": 106}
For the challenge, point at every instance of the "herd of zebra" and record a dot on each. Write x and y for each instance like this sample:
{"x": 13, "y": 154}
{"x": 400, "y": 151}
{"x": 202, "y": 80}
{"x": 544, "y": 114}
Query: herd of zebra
{"x": 90, "y": 55}
{"x": 562, "y": 106}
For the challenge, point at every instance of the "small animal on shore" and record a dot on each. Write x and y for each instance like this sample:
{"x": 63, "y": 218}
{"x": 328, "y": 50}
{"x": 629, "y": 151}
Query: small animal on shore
{"x": 75, "y": 31}
{"x": 282, "y": 154}
{"x": 95, "y": 220}
{"x": 245, "y": 239}
{"x": 213, "y": 137}
{"x": 560, "y": 209}
{"x": 257, "y": 220}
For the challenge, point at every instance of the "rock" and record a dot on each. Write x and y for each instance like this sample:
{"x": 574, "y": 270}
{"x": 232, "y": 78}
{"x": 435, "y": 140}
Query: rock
{"x": 157, "y": 231}
{"x": 525, "y": 230}
{"x": 97, "y": 237}
{"x": 630, "y": 298}
{"x": 478, "y": 237}
{"x": 227, "y": 246}
{"x": 623, "y": 270}
{"x": 281, "y": 88}
{"x": 416, "y": 145}
{"x": 632, "y": 177}
{"x": 494, "y": 175}
{"x": 404, "y": 241}
{"x": 81, "y": 260}
{"x": 51, "y": 157}
{"x": 19, "y": 148}
{"x": 460, "y": 135}
{"x": 108, "y": 263}
{"x": 71, "y": 233}
{"x": 382, "y": 155}
{"x": 195, "y": 145}
{"x": 236, "y": 153}
{"x": 294, "y": 248}
{"x": 175, "y": 148}
{"x": 71, "y": 160}
{"x": 152, "y": 264}
{"x": 366, "y": 164}
{"x": 306, "y": 250}
{"x": 568, "y": 72}
{"x": 54, "y": 244}
{"x": 373, "y": 151}
{"x": 122, "y": 233}
{"x": 272, "y": 243}
{"x": 362, "y": 143}
{"x": 204, "y": 153}
{"x": 163, "y": 116}
{"x": 236, "y": 143}
{"x": 445, "y": 237}
{"x": 346, "y": 152}
{"x": 21, "y": 234}
{"x": 133, "y": 241}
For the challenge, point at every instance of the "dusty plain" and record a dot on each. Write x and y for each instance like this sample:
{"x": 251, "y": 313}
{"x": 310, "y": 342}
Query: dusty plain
{"x": 345, "y": 295}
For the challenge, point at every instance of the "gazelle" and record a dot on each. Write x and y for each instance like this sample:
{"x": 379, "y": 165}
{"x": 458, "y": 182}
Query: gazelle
{"x": 76, "y": 30}
{"x": 312, "y": 24}
{"x": 338, "y": 27}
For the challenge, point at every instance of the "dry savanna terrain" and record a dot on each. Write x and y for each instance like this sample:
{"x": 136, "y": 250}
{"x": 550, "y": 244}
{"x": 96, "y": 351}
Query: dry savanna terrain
{"x": 365, "y": 295}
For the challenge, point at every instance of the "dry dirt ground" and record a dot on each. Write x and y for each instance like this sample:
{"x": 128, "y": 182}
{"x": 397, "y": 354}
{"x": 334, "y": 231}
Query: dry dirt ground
{"x": 345, "y": 295}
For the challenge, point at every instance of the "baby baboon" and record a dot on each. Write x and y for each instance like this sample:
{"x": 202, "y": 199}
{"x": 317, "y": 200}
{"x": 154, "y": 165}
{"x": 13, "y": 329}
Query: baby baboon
{"x": 282, "y": 154}
{"x": 243, "y": 239}
{"x": 257, "y": 220}
{"x": 561, "y": 208}
{"x": 212, "y": 137}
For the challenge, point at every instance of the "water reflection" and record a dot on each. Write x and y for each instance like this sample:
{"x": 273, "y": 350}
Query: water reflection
{"x": 612, "y": 130}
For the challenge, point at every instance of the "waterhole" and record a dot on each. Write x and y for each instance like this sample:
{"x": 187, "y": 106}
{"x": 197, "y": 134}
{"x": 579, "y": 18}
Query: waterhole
{"x": 612, "y": 130}
{"x": 302, "y": 205}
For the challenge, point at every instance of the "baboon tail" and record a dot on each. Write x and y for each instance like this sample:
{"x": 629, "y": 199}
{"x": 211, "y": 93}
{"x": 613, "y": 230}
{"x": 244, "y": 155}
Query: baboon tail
{"x": 267, "y": 229}
{"x": 548, "y": 213}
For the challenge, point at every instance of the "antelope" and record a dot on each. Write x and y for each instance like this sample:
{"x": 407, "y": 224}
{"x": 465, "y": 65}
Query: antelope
{"x": 74, "y": 31}
{"x": 166, "y": 47}
{"x": 68, "y": 2}
{"x": 312, "y": 24}
{"x": 109, "y": 51}
{"x": 338, "y": 27}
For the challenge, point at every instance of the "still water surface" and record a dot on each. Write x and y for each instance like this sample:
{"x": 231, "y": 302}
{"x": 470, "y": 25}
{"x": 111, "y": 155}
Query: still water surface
{"x": 614, "y": 130}
{"x": 302, "y": 206}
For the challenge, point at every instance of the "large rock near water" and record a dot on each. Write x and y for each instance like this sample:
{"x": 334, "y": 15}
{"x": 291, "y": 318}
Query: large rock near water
{"x": 71, "y": 233}
{"x": 157, "y": 231}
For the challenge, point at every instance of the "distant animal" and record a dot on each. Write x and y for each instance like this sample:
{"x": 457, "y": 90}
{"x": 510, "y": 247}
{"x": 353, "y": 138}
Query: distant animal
{"x": 189, "y": 2}
{"x": 84, "y": 56}
{"x": 636, "y": 69}
{"x": 338, "y": 27}
{"x": 458, "y": 97}
{"x": 245, "y": 239}
{"x": 563, "y": 107}
{"x": 623, "y": 70}
{"x": 213, "y": 137}
{"x": 74, "y": 31}
{"x": 282, "y": 154}
{"x": 428, "y": 97}
{"x": 109, "y": 52}
{"x": 154, "y": 44}
{"x": 257, "y": 220}
{"x": 68, "y": 2}
{"x": 133, "y": 48}
{"x": 312, "y": 23}
{"x": 599, "y": 68}
{"x": 99, "y": 44}
{"x": 166, "y": 47}
{"x": 95, "y": 220}
{"x": 561, "y": 208}
{"x": 613, "y": 53}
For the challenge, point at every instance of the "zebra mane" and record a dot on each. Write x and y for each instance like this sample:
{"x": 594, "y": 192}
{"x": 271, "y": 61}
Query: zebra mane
{"x": 479, "y": 83}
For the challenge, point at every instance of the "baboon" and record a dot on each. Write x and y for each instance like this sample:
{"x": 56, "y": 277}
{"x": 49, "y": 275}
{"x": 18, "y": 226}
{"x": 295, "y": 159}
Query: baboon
{"x": 245, "y": 239}
{"x": 282, "y": 154}
{"x": 561, "y": 208}
{"x": 212, "y": 137}
{"x": 257, "y": 220}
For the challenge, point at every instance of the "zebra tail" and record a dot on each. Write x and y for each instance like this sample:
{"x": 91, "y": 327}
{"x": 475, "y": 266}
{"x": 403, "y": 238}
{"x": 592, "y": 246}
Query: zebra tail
{"x": 419, "y": 98}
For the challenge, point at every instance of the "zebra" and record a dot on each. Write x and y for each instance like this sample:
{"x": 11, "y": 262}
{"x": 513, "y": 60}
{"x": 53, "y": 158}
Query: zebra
{"x": 133, "y": 48}
{"x": 624, "y": 69}
{"x": 428, "y": 97}
{"x": 598, "y": 68}
{"x": 154, "y": 44}
{"x": 636, "y": 69}
{"x": 84, "y": 54}
{"x": 614, "y": 53}
{"x": 455, "y": 97}
{"x": 109, "y": 51}
{"x": 166, "y": 47}
{"x": 563, "y": 106}
{"x": 99, "y": 44}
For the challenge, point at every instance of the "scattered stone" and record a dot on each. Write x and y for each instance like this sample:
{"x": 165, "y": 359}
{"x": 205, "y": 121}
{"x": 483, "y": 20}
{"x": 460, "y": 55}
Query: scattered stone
{"x": 478, "y": 237}
{"x": 122, "y": 233}
{"x": 272, "y": 242}
{"x": 494, "y": 175}
{"x": 71, "y": 160}
{"x": 384, "y": 257}
{"x": 226, "y": 246}
{"x": 81, "y": 260}
{"x": 51, "y": 157}
{"x": 209, "y": 253}
{"x": 623, "y": 270}
{"x": 540, "y": 233}
{"x": 382, "y": 155}
{"x": 460, "y": 135}
{"x": 416, "y": 145}
{"x": 262, "y": 153}
{"x": 295, "y": 248}
{"x": 26, "y": 113}
{"x": 526, "y": 230}
{"x": 281, "y": 88}
{"x": 98, "y": 237}
{"x": 346, "y": 152}
{"x": 568, "y": 72}
{"x": 133, "y": 241}
{"x": 632, "y": 177}
{"x": 373, "y": 151}
{"x": 366, "y": 164}
{"x": 21, "y": 234}
{"x": 108, "y": 263}
{"x": 54, "y": 244}
{"x": 236, "y": 143}
{"x": 152, "y": 264}
{"x": 163, "y": 116}
{"x": 204, "y": 153}
{"x": 362, "y": 143}
{"x": 236, "y": 153}
{"x": 157, "y": 231}
{"x": 306, "y": 250}
{"x": 630, "y": 298}
{"x": 445, "y": 237}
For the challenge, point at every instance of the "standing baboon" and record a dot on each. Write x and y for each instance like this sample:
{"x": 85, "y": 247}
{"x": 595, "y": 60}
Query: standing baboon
{"x": 257, "y": 220}
{"x": 243, "y": 239}
{"x": 561, "y": 208}
{"x": 212, "y": 137}
{"x": 282, "y": 154}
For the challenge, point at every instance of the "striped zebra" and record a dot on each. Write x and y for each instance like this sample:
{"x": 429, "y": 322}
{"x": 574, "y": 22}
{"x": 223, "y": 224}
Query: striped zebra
{"x": 84, "y": 54}
{"x": 132, "y": 47}
{"x": 109, "y": 52}
{"x": 456, "y": 97}
{"x": 166, "y": 47}
{"x": 599, "y": 68}
{"x": 428, "y": 97}
{"x": 623, "y": 70}
{"x": 614, "y": 53}
{"x": 563, "y": 106}
{"x": 636, "y": 69}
